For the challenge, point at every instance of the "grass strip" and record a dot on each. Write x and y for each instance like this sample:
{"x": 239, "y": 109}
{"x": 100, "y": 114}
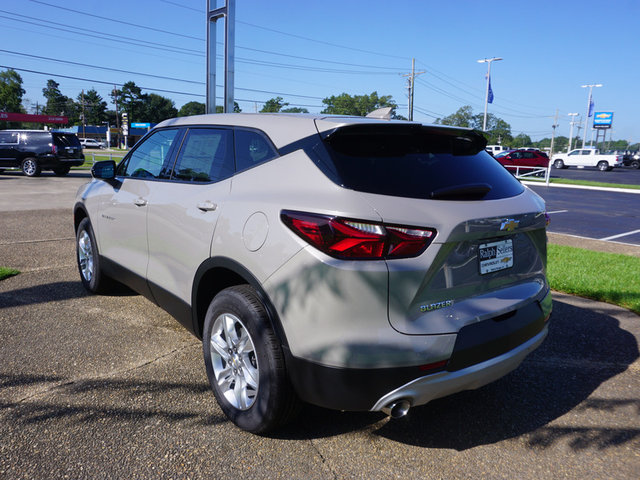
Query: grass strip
{"x": 606, "y": 277}
{"x": 6, "y": 272}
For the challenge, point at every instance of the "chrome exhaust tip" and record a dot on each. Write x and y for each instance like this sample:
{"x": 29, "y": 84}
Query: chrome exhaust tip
{"x": 397, "y": 409}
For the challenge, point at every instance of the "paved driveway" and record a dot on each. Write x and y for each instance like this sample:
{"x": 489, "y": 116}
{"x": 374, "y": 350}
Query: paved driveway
{"x": 112, "y": 387}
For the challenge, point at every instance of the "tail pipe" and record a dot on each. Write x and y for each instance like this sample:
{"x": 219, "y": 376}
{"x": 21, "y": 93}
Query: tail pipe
{"x": 397, "y": 409}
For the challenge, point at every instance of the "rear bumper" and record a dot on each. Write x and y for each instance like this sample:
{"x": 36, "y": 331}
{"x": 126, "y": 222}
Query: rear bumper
{"x": 430, "y": 387}
{"x": 483, "y": 352}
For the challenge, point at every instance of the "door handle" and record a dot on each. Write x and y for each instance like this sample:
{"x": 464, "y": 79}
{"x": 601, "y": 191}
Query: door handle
{"x": 140, "y": 202}
{"x": 207, "y": 206}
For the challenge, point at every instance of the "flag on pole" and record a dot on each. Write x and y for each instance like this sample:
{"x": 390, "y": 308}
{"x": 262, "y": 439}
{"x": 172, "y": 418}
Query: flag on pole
{"x": 590, "y": 106}
{"x": 490, "y": 95}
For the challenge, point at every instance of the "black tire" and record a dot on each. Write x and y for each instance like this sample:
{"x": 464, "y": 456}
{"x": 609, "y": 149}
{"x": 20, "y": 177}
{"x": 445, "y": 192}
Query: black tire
{"x": 635, "y": 164}
{"x": 603, "y": 166}
{"x": 558, "y": 164}
{"x": 258, "y": 359}
{"x": 30, "y": 167}
{"x": 88, "y": 259}
{"x": 61, "y": 171}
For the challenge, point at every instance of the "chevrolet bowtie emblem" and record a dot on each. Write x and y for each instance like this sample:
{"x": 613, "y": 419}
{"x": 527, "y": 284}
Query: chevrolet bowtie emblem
{"x": 509, "y": 225}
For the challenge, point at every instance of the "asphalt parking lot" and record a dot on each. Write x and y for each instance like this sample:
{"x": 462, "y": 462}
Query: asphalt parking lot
{"x": 113, "y": 387}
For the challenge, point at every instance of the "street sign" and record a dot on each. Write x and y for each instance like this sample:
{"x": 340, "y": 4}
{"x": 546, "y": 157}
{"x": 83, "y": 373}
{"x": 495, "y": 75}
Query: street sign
{"x": 140, "y": 125}
{"x": 602, "y": 119}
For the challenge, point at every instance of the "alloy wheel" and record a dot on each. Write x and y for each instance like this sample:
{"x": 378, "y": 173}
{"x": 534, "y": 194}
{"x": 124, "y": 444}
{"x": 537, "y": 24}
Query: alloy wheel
{"x": 234, "y": 361}
{"x": 85, "y": 255}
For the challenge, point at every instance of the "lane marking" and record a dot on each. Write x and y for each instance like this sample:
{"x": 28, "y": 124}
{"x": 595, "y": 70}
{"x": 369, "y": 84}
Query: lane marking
{"x": 620, "y": 235}
{"x": 558, "y": 211}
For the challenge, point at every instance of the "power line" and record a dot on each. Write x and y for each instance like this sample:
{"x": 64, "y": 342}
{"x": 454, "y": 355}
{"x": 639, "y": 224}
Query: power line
{"x": 169, "y": 91}
{"x": 118, "y": 21}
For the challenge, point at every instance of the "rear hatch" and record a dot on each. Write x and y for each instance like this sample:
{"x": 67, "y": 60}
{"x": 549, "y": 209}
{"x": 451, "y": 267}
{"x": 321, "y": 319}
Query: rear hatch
{"x": 489, "y": 254}
{"x": 67, "y": 146}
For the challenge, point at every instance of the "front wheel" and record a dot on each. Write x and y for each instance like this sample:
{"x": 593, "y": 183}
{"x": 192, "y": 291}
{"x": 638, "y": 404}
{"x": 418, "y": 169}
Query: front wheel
{"x": 603, "y": 166}
{"x": 558, "y": 164}
{"x": 635, "y": 164}
{"x": 30, "y": 167}
{"x": 88, "y": 258}
{"x": 245, "y": 362}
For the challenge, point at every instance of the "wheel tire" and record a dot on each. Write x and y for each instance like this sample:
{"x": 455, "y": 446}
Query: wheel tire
{"x": 88, "y": 259}
{"x": 245, "y": 362}
{"x": 558, "y": 164}
{"x": 61, "y": 171}
{"x": 603, "y": 166}
{"x": 30, "y": 167}
{"x": 635, "y": 164}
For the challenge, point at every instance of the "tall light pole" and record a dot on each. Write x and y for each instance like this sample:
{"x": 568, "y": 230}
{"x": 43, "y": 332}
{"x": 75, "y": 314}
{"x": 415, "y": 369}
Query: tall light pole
{"x": 586, "y": 117}
{"x": 573, "y": 118}
{"x": 486, "y": 97}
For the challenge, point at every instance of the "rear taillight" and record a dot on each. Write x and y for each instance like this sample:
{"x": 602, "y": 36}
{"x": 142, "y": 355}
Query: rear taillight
{"x": 358, "y": 239}
{"x": 54, "y": 149}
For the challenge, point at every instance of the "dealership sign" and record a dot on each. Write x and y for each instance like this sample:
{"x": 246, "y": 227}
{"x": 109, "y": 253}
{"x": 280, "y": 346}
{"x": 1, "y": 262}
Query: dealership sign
{"x": 25, "y": 117}
{"x": 602, "y": 119}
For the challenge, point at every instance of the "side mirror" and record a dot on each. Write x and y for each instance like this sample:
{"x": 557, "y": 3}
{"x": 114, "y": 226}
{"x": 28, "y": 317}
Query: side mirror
{"x": 104, "y": 170}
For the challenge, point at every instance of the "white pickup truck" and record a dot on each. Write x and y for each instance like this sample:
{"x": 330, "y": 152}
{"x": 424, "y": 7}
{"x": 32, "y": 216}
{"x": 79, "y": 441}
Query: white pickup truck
{"x": 586, "y": 157}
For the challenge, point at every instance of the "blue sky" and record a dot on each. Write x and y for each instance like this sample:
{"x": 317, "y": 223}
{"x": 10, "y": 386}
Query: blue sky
{"x": 305, "y": 51}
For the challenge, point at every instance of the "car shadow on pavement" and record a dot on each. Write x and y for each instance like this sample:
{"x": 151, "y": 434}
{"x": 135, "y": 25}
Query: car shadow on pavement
{"x": 584, "y": 349}
{"x": 53, "y": 292}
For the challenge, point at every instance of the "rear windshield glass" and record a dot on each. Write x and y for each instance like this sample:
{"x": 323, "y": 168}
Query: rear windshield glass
{"x": 66, "y": 140}
{"x": 418, "y": 162}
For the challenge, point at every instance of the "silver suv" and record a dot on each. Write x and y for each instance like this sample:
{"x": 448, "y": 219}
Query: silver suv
{"x": 352, "y": 263}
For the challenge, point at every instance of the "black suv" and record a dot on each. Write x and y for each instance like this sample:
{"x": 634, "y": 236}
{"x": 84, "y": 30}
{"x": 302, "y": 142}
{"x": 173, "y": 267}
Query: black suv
{"x": 34, "y": 150}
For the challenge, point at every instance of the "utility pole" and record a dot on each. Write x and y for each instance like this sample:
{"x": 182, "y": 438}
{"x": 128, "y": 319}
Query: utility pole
{"x": 486, "y": 98}
{"x": 411, "y": 85}
{"x": 586, "y": 117}
{"x": 572, "y": 123}
{"x": 84, "y": 134}
{"x": 553, "y": 135}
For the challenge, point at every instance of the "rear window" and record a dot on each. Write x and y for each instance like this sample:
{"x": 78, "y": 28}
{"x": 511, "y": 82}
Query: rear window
{"x": 417, "y": 162}
{"x": 66, "y": 140}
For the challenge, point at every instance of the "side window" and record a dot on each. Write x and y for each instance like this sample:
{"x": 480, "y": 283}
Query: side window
{"x": 8, "y": 138}
{"x": 252, "y": 148}
{"x": 206, "y": 156}
{"x": 147, "y": 160}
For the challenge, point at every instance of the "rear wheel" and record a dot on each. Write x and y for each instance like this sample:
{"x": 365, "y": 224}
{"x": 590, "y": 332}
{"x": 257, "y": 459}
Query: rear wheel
{"x": 635, "y": 163}
{"x": 30, "y": 167}
{"x": 603, "y": 166}
{"x": 558, "y": 164}
{"x": 61, "y": 171}
{"x": 245, "y": 362}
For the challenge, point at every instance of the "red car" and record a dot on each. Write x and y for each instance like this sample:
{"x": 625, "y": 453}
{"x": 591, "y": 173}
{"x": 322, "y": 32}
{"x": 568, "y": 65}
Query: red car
{"x": 524, "y": 158}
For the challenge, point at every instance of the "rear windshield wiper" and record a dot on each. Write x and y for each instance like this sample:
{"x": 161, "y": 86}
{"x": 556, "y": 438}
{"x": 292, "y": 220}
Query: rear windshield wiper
{"x": 471, "y": 191}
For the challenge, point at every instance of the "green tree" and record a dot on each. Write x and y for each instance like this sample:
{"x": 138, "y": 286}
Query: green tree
{"x": 95, "y": 108}
{"x": 11, "y": 92}
{"x": 236, "y": 108}
{"x": 156, "y": 108}
{"x": 521, "y": 140}
{"x": 192, "y": 108}
{"x": 59, "y": 104}
{"x": 274, "y": 105}
{"x": 294, "y": 110}
{"x": 462, "y": 118}
{"x": 358, "y": 105}
{"x": 129, "y": 99}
